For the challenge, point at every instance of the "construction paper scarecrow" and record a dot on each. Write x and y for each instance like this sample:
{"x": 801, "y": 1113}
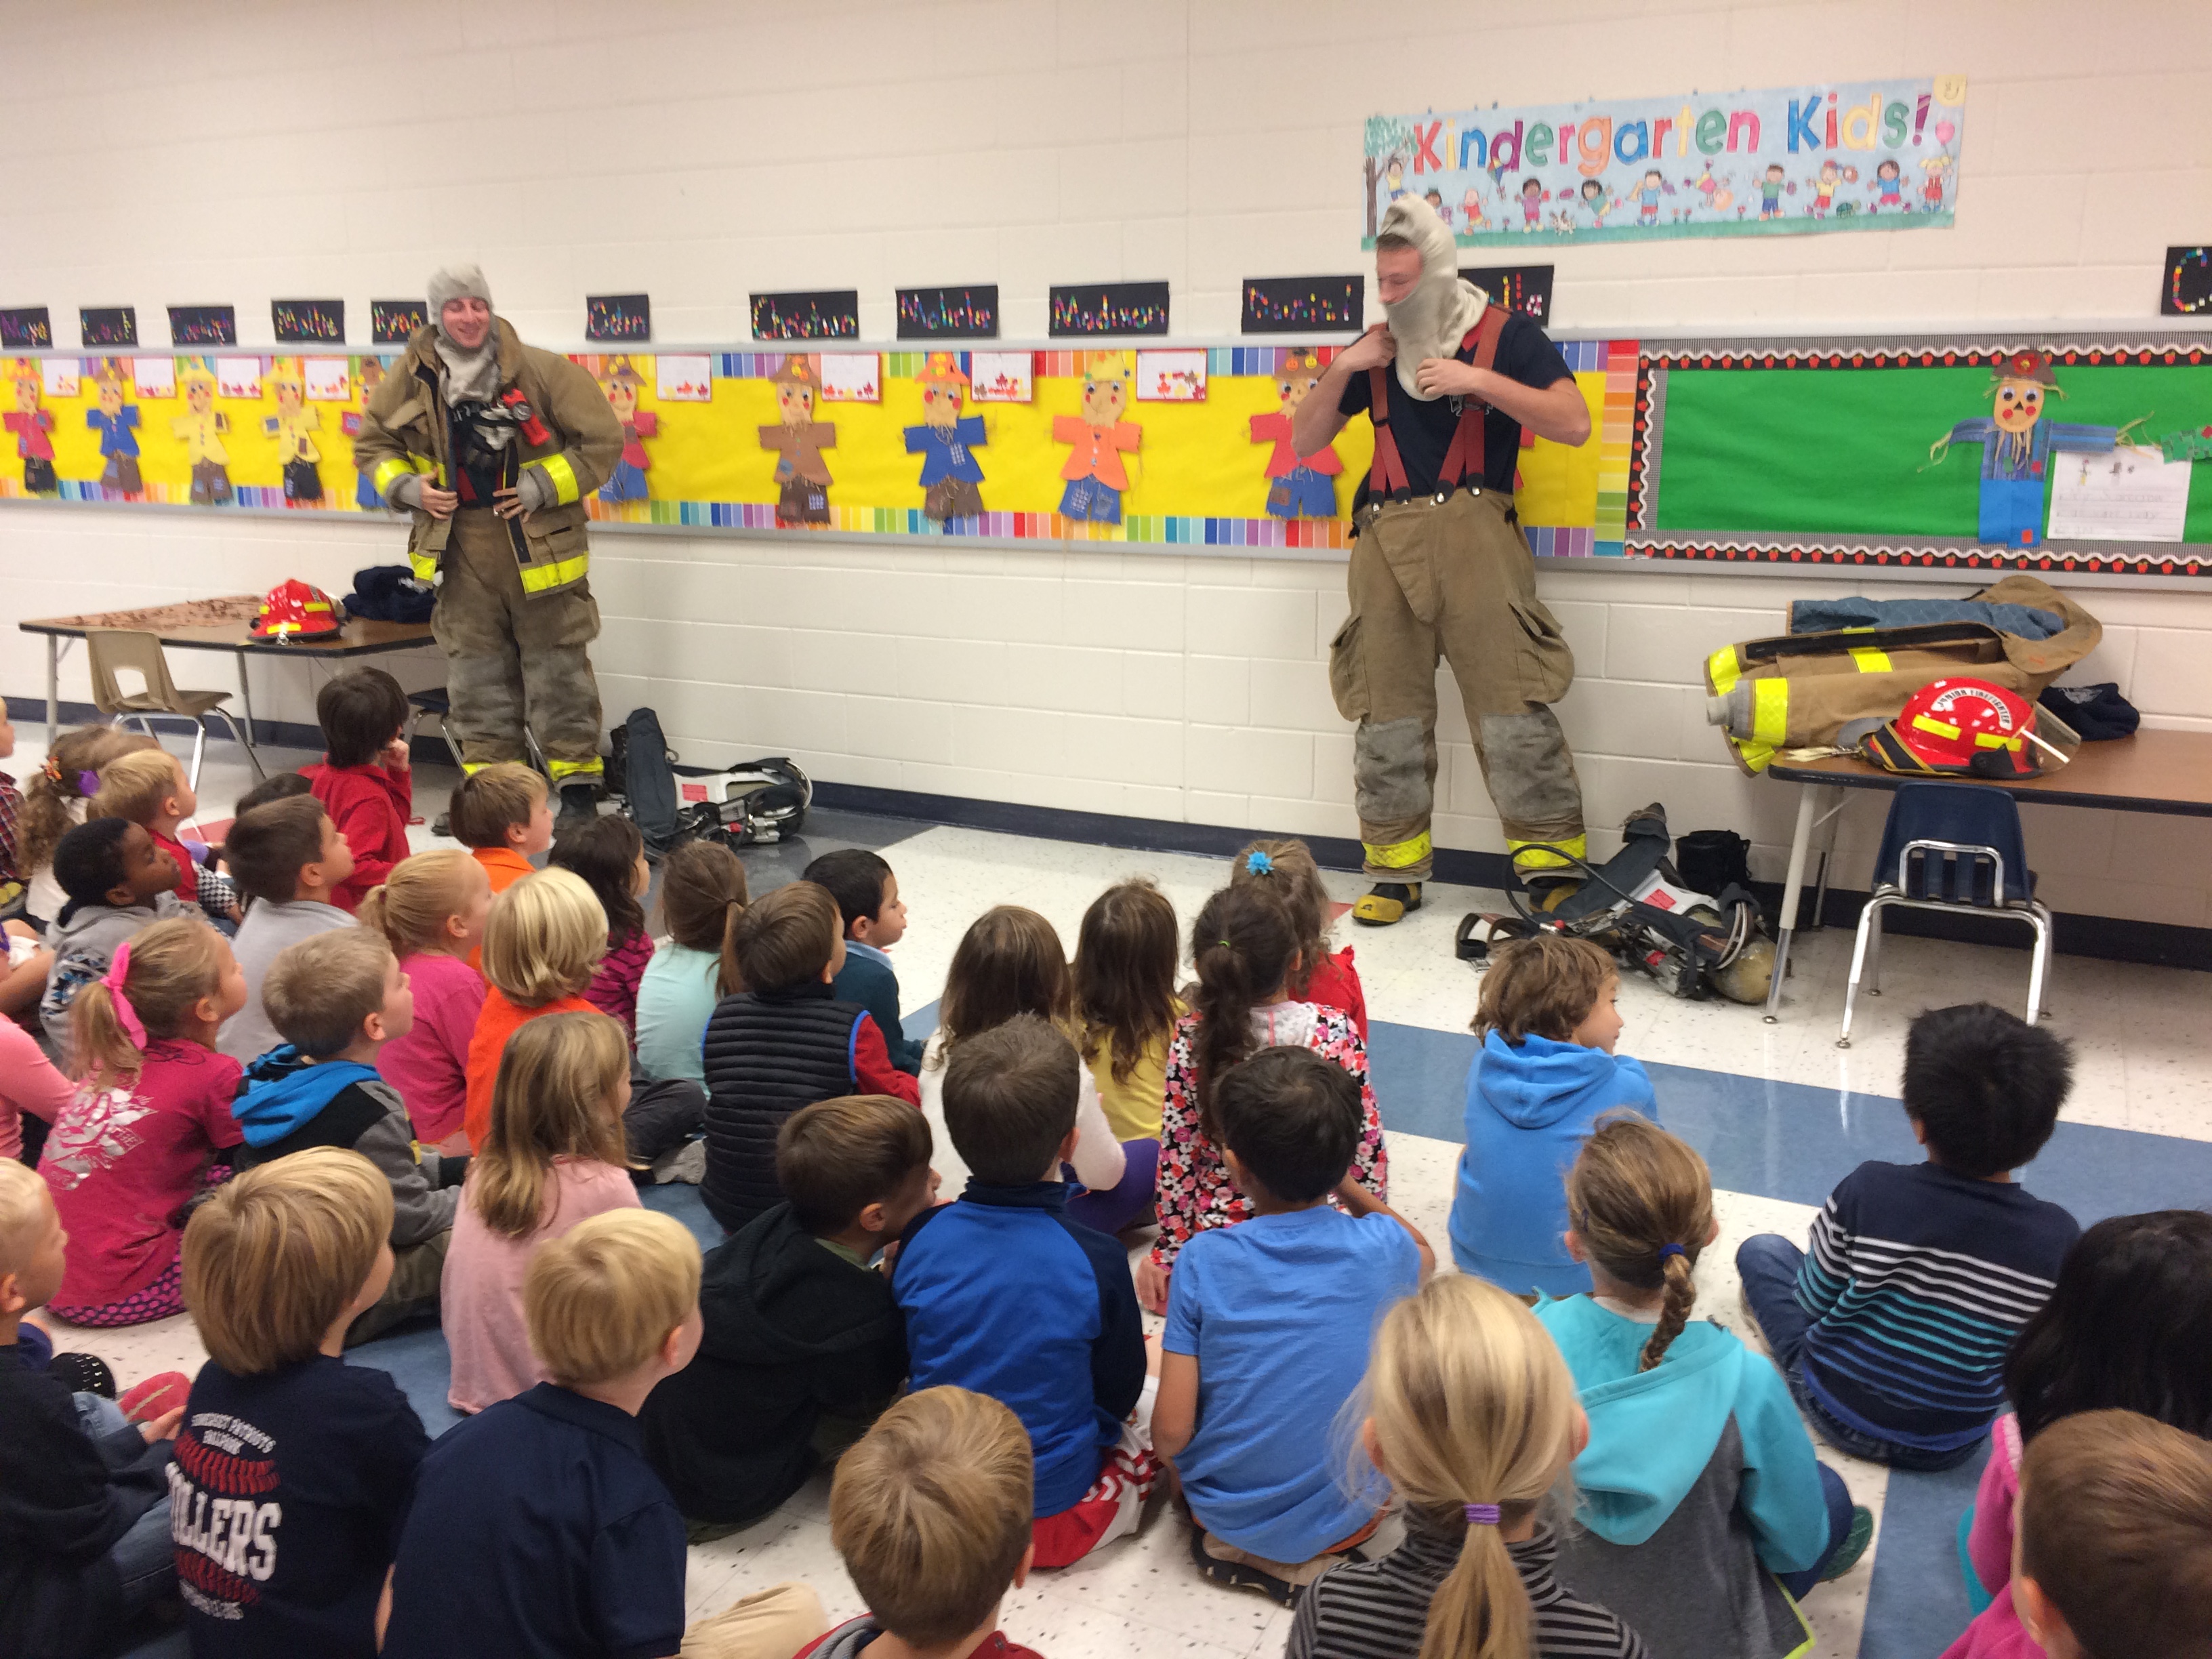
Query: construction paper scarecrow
{"x": 945, "y": 440}
{"x": 200, "y": 428}
{"x": 116, "y": 422}
{"x": 32, "y": 426}
{"x": 293, "y": 426}
{"x": 2016, "y": 444}
{"x": 621, "y": 382}
{"x": 367, "y": 376}
{"x": 801, "y": 476}
{"x": 1095, "y": 475}
{"x": 1297, "y": 488}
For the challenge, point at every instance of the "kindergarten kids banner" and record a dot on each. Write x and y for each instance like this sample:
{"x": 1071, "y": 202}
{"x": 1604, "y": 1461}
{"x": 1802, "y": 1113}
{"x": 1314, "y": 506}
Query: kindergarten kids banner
{"x": 1857, "y": 155}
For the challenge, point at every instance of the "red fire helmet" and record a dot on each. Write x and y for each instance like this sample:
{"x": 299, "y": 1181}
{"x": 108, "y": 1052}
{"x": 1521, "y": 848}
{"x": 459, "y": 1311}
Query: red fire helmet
{"x": 1958, "y": 727}
{"x": 292, "y": 610}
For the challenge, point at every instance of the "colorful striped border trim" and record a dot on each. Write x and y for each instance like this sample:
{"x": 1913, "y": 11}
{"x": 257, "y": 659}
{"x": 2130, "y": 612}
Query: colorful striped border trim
{"x": 1917, "y": 558}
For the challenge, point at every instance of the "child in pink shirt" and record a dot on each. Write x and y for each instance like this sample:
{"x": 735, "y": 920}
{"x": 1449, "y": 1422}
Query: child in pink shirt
{"x": 609, "y": 853}
{"x": 135, "y": 1140}
{"x": 554, "y": 1157}
{"x": 432, "y": 908}
{"x": 28, "y": 1083}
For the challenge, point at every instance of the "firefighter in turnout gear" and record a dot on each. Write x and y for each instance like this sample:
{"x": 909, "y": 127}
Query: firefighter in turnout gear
{"x": 1439, "y": 567}
{"x": 493, "y": 445}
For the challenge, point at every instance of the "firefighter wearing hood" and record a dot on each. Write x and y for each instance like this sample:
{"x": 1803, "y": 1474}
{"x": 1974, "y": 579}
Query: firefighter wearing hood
{"x": 492, "y": 445}
{"x": 1440, "y": 569}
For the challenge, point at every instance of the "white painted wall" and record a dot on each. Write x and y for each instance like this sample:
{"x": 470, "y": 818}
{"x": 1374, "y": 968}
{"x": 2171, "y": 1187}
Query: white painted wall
{"x": 702, "y": 151}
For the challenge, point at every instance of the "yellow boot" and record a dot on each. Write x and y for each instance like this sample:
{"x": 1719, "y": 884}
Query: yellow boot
{"x": 1386, "y": 902}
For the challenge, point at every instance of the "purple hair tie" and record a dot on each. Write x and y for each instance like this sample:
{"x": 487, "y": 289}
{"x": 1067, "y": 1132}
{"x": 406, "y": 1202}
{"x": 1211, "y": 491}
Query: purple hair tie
{"x": 1666, "y": 1250}
{"x": 87, "y": 784}
{"x": 1482, "y": 1514}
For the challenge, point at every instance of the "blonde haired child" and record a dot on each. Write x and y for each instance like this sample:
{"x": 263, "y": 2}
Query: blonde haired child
{"x": 542, "y": 943}
{"x": 1703, "y": 1512}
{"x": 1545, "y": 1074}
{"x": 1472, "y": 1418}
{"x": 554, "y": 1156}
{"x": 278, "y": 1265}
{"x": 150, "y": 1111}
{"x": 57, "y": 800}
{"x": 148, "y": 786}
{"x": 1011, "y": 962}
{"x": 433, "y": 908}
{"x": 1286, "y": 869}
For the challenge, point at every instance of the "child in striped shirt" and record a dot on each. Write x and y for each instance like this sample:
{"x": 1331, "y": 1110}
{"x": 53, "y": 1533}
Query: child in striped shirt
{"x": 1892, "y": 1329}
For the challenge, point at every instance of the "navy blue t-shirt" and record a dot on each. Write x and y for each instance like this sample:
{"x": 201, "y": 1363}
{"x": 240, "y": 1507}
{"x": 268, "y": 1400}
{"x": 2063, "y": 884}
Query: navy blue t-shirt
{"x": 538, "y": 1531}
{"x": 284, "y": 1504}
{"x": 1424, "y": 430}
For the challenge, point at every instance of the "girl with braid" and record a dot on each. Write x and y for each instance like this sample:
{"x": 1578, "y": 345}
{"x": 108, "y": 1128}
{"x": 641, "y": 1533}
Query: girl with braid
{"x": 1705, "y": 1514}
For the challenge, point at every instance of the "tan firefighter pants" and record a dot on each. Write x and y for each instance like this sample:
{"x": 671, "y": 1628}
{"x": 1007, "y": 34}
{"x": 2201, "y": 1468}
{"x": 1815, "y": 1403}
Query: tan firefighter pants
{"x": 511, "y": 660}
{"x": 1453, "y": 580}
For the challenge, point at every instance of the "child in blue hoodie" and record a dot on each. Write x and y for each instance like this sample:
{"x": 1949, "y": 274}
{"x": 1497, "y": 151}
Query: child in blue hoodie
{"x": 337, "y": 999}
{"x": 1545, "y": 1074}
{"x": 1704, "y": 1513}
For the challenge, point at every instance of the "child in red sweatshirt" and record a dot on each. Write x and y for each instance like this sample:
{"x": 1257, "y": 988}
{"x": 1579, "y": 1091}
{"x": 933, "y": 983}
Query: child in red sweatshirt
{"x": 364, "y": 781}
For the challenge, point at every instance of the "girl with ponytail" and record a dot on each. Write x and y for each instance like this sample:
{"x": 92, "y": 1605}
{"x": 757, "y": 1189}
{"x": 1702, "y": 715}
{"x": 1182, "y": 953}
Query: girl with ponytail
{"x": 152, "y": 1108}
{"x": 1471, "y": 1417}
{"x": 1704, "y": 1513}
{"x": 432, "y": 908}
{"x": 1245, "y": 948}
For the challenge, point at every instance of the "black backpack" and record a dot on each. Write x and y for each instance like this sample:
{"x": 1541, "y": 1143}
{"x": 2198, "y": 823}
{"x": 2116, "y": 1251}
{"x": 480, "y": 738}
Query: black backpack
{"x": 643, "y": 759}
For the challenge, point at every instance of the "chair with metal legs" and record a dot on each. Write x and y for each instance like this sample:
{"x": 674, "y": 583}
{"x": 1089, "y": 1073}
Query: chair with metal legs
{"x": 1955, "y": 847}
{"x": 131, "y": 651}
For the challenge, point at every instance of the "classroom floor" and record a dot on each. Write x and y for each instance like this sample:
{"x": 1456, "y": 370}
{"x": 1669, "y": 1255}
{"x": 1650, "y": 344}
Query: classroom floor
{"x": 1778, "y": 1112}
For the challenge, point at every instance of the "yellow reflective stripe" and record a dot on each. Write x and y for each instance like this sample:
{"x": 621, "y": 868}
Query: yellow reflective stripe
{"x": 1757, "y": 756}
{"x": 425, "y": 566}
{"x": 1402, "y": 856}
{"x": 1940, "y": 728}
{"x": 565, "y": 488}
{"x": 566, "y": 771}
{"x": 1769, "y": 712}
{"x": 1540, "y": 855}
{"x": 388, "y": 472}
{"x": 470, "y": 769}
{"x": 543, "y": 578}
{"x": 1724, "y": 669}
{"x": 1871, "y": 662}
{"x": 1992, "y": 740}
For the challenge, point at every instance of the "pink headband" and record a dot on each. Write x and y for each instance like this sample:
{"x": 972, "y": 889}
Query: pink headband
{"x": 119, "y": 969}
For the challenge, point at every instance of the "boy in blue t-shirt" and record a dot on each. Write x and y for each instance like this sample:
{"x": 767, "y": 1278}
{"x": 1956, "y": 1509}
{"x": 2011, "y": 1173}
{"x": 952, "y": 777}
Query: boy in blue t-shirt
{"x": 292, "y": 1468}
{"x": 1892, "y": 1329}
{"x": 1268, "y": 1327}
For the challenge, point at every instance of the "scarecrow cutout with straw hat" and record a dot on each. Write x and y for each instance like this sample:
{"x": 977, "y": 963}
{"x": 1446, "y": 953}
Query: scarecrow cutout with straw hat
{"x": 945, "y": 441}
{"x": 2016, "y": 444}
{"x": 622, "y": 382}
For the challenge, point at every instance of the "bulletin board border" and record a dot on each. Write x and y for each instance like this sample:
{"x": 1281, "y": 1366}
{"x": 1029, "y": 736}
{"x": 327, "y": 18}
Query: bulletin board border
{"x": 2188, "y": 563}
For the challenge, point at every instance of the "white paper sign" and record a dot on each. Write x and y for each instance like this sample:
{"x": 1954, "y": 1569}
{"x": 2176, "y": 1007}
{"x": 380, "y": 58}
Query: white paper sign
{"x": 239, "y": 377}
{"x": 156, "y": 377}
{"x": 1171, "y": 377}
{"x": 61, "y": 375}
{"x": 1001, "y": 377}
{"x": 852, "y": 377}
{"x": 328, "y": 379}
{"x": 685, "y": 378}
{"x": 2129, "y": 495}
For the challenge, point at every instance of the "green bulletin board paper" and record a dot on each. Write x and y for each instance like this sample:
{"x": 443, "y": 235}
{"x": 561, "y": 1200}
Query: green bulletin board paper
{"x": 1845, "y": 451}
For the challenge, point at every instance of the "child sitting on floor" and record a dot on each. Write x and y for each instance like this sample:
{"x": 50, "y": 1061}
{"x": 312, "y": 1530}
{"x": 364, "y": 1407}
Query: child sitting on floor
{"x": 337, "y": 1000}
{"x": 364, "y": 780}
{"x": 118, "y": 884}
{"x": 1246, "y": 953}
{"x": 1472, "y": 1419}
{"x": 1891, "y": 1328}
{"x": 502, "y": 814}
{"x": 282, "y": 1442}
{"x": 609, "y": 853}
{"x": 571, "y": 1542}
{"x": 931, "y": 1512}
{"x": 798, "y": 1323}
{"x": 1125, "y": 1007}
{"x": 2128, "y": 1326}
{"x": 134, "y": 1144}
{"x": 1544, "y": 1076}
{"x": 1010, "y": 962}
{"x": 84, "y": 1529}
{"x": 290, "y": 859}
{"x": 57, "y": 800}
{"x": 554, "y": 1156}
{"x": 150, "y": 787}
{"x": 782, "y": 1043}
{"x": 1268, "y": 1327}
{"x": 2115, "y": 1540}
{"x": 1003, "y": 1294}
{"x": 874, "y": 916}
{"x": 1699, "y": 1499}
{"x": 1286, "y": 869}
{"x": 432, "y": 910}
{"x": 703, "y": 889}
{"x": 543, "y": 942}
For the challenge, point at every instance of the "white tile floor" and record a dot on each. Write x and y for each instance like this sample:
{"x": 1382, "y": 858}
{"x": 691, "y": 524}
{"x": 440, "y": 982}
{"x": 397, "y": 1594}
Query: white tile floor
{"x": 2143, "y": 1066}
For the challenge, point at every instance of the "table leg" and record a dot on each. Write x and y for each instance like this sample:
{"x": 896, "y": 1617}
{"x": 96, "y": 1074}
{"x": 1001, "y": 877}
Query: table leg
{"x": 245, "y": 698}
{"x": 1793, "y": 888}
{"x": 53, "y": 687}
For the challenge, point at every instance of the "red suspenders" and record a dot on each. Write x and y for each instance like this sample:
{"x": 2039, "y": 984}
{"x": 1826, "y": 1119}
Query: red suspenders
{"x": 1467, "y": 442}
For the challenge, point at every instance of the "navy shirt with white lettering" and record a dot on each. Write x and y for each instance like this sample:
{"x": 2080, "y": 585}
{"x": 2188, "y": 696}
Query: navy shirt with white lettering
{"x": 285, "y": 1500}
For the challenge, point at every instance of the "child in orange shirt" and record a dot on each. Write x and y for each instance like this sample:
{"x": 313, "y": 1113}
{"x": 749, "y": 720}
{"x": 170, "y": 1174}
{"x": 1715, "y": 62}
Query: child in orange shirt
{"x": 541, "y": 947}
{"x": 503, "y": 814}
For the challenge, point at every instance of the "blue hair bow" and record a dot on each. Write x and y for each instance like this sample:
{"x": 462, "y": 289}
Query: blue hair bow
{"x": 1258, "y": 863}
